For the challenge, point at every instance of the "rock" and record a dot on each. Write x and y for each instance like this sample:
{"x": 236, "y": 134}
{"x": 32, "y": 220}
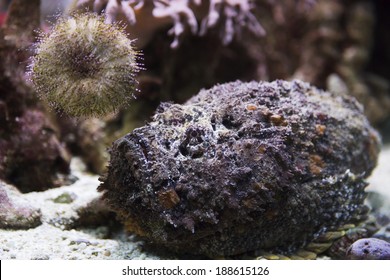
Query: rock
{"x": 65, "y": 198}
{"x": 35, "y": 159}
{"x": 15, "y": 211}
{"x": 31, "y": 156}
{"x": 369, "y": 249}
{"x": 73, "y": 206}
{"x": 339, "y": 248}
{"x": 95, "y": 213}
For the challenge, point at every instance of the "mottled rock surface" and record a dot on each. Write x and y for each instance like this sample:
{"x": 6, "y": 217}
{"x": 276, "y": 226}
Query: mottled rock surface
{"x": 31, "y": 156}
{"x": 15, "y": 211}
{"x": 244, "y": 166}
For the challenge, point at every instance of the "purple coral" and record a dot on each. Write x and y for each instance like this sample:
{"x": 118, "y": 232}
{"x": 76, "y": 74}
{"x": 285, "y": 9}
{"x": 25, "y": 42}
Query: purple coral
{"x": 231, "y": 15}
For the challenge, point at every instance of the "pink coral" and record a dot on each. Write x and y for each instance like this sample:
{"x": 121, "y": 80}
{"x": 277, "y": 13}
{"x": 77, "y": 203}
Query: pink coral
{"x": 174, "y": 9}
{"x": 237, "y": 14}
{"x": 231, "y": 15}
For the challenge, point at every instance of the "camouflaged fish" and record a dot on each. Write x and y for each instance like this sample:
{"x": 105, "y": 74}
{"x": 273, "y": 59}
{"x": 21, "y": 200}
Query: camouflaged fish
{"x": 246, "y": 167}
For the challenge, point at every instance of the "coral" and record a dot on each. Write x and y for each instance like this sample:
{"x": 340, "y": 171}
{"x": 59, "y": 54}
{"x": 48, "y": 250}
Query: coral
{"x": 230, "y": 15}
{"x": 85, "y": 67}
{"x": 369, "y": 249}
{"x": 238, "y": 15}
{"x": 31, "y": 155}
{"x": 244, "y": 166}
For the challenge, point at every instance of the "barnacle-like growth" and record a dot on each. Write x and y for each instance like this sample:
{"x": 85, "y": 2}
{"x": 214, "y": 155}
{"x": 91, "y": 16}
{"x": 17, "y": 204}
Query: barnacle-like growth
{"x": 85, "y": 67}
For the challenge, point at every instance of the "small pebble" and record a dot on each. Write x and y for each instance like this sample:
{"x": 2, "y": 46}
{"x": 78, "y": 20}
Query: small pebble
{"x": 369, "y": 249}
{"x": 80, "y": 241}
{"x": 65, "y": 198}
{"x": 107, "y": 253}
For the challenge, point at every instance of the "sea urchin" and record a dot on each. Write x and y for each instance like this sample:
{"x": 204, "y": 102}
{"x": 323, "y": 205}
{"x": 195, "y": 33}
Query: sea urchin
{"x": 85, "y": 67}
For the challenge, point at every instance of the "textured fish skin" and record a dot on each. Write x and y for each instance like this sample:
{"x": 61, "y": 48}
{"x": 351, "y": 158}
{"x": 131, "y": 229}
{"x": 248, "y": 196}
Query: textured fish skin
{"x": 244, "y": 166}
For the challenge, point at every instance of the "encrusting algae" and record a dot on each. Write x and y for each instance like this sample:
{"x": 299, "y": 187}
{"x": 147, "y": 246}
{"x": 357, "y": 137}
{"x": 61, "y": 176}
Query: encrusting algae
{"x": 240, "y": 167}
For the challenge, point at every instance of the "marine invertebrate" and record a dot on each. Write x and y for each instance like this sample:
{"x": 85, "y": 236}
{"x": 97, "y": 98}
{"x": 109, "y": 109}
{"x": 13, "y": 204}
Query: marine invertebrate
{"x": 237, "y": 15}
{"x": 244, "y": 166}
{"x": 85, "y": 67}
{"x": 230, "y": 15}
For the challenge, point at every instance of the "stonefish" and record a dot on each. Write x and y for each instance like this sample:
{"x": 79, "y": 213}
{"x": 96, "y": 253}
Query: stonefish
{"x": 241, "y": 167}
